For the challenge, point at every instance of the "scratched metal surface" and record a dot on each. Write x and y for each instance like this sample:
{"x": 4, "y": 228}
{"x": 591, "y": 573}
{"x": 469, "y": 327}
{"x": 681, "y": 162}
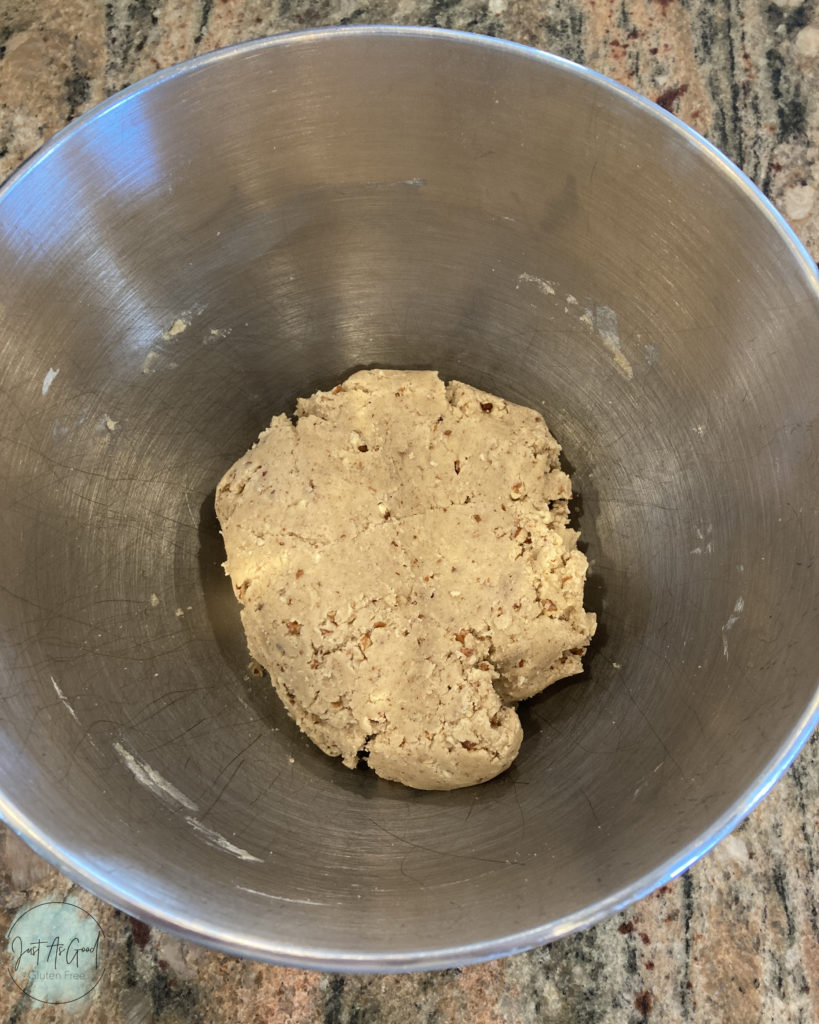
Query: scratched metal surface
{"x": 175, "y": 288}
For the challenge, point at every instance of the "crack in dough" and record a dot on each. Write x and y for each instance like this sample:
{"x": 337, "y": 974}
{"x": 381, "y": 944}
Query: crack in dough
{"x": 407, "y": 573}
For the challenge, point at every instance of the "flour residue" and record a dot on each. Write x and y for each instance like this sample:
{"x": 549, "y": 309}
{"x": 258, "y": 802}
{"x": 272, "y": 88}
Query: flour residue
{"x": 216, "y": 334}
{"x": 214, "y": 839}
{"x": 603, "y": 321}
{"x": 729, "y": 625}
{"x": 405, "y": 183}
{"x": 64, "y": 699}
{"x": 600, "y": 319}
{"x": 49, "y": 379}
{"x": 148, "y": 362}
{"x": 151, "y": 779}
{"x": 706, "y": 545}
{"x": 177, "y": 327}
{"x": 105, "y": 426}
{"x": 546, "y": 287}
{"x": 282, "y": 899}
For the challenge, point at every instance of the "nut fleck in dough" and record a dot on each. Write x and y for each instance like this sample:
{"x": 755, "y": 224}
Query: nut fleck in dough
{"x": 406, "y": 572}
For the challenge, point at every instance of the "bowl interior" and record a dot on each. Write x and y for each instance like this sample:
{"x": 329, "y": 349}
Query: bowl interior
{"x": 178, "y": 267}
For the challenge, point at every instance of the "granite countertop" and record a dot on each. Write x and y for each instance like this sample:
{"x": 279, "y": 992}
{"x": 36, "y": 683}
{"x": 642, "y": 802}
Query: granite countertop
{"x": 736, "y": 939}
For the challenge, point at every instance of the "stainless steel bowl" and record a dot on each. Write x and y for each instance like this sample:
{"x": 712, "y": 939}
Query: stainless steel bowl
{"x": 187, "y": 259}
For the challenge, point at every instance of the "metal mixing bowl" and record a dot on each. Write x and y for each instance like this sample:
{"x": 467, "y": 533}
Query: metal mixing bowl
{"x": 181, "y": 264}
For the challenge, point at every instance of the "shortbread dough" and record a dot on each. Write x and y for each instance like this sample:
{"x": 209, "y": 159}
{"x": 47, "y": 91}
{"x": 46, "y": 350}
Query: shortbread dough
{"x": 406, "y": 571}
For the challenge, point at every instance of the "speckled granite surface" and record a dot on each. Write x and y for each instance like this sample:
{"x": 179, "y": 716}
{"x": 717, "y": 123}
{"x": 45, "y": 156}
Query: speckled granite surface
{"x": 737, "y": 938}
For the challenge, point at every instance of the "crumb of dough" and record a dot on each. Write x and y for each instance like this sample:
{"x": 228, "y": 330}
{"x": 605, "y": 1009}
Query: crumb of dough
{"x": 407, "y": 573}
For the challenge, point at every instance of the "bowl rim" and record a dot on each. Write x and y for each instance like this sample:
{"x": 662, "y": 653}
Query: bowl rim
{"x": 112, "y": 888}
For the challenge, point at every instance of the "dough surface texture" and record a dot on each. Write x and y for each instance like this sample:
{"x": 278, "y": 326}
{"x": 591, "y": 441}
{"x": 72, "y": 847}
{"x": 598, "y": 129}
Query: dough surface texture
{"x": 406, "y": 570}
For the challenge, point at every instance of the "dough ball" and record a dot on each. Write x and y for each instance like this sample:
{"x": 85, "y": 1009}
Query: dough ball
{"x": 407, "y": 573}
